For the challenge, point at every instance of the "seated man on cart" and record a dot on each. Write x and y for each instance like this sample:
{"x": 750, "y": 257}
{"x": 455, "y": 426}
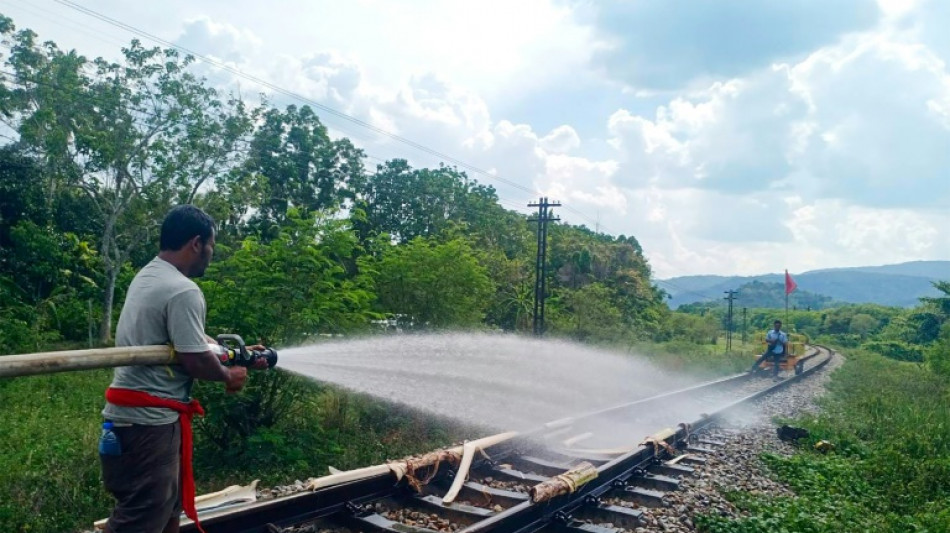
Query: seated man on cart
{"x": 777, "y": 346}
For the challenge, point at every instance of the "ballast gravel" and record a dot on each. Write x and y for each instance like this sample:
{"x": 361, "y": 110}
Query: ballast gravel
{"x": 735, "y": 465}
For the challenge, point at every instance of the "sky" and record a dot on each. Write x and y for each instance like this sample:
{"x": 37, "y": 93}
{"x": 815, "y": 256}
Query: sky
{"x": 728, "y": 137}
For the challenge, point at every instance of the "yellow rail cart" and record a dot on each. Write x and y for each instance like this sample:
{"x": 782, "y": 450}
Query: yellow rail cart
{"x": 789, "y": 361}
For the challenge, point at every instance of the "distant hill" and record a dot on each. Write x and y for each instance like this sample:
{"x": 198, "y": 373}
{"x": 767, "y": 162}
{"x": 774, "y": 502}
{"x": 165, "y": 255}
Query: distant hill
{"x": 897, "y": 285}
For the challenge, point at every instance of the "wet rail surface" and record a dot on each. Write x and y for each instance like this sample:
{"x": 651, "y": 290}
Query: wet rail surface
{"x": 637, "y": 463}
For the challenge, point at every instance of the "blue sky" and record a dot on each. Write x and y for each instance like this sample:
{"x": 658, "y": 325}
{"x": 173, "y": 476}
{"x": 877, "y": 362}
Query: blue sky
{"x": 729, "y": 137}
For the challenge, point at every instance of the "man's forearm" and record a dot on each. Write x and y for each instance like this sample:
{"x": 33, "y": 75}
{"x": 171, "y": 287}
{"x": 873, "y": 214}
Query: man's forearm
{"x": 204, "y": 366}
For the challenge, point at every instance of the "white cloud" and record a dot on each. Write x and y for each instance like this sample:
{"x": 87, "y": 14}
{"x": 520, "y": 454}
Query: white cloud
{"x": 722, "y": 179}
{"x": 561, "y": 140}
{"x": 829, "y": 149}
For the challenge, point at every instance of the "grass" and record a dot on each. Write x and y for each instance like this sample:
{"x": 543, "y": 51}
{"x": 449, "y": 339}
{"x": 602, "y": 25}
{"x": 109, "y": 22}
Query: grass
{"x": 49, "y": 468}
{"x": 706, "y": 360}
{"x": 890, "y": 424}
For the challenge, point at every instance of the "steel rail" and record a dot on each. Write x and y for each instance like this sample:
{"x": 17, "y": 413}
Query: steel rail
{"x": 347, "y": 498}
{"x": 616, "y": 474}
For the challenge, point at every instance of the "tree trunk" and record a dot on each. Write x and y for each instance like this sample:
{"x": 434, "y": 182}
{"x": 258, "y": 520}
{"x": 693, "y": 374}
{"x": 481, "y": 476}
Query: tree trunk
{"x": 109, "y": 254}
{"x": 105, "y": 328}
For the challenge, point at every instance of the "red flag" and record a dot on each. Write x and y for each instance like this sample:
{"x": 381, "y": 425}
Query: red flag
{"x": 790, "y": 284}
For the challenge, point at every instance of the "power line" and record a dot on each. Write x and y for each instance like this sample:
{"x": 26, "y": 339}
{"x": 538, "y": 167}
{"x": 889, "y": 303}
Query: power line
{"x": 289, "y": 93}
{"x": 327, "y": 109}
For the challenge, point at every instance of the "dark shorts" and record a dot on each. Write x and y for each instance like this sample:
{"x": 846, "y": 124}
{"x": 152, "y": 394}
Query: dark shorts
{"x": 145, "y": 479}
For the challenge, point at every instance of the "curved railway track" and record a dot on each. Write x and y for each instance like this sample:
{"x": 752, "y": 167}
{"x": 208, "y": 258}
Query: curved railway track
{"x": 621, "y": 472}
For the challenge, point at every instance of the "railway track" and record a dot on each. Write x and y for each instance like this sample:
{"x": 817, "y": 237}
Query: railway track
{"x": 594, "y": 473}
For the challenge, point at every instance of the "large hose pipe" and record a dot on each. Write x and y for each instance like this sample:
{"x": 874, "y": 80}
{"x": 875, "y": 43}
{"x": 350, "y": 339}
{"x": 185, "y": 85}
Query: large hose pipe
{"x": 51, "y": 362}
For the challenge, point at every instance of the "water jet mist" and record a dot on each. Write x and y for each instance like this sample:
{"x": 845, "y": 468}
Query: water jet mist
{"x": 503, "y": 381}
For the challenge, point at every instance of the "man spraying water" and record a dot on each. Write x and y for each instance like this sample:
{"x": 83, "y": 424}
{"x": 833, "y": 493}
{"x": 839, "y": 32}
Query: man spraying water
{"x": 149, "y": 408}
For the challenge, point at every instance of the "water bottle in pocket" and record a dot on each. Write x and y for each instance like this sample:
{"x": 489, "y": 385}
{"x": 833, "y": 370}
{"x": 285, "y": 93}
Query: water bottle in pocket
{"x": 109, "y": 441}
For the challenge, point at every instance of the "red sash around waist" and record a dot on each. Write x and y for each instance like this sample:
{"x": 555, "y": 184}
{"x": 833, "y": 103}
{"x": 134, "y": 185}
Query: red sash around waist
{"x": 186, "y": 411}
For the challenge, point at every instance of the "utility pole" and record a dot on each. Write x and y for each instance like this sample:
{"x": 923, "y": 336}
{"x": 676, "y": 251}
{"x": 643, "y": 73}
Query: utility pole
{"x": 731, "y": 296}
{"x": 744, "y": 325}
{"x": 540, "y": 269}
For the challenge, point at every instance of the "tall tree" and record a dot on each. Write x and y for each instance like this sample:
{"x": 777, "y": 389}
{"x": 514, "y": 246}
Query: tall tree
{"x": 425, "y": 283}
{"x": 297, "y": 165}
{"x": 292, "y": 287}
{"x": 407, "y": 203}
{"x": 134, "y": 137}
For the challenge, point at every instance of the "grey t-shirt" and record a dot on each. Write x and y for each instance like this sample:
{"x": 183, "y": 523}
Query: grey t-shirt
{"x": 162, "y": 306}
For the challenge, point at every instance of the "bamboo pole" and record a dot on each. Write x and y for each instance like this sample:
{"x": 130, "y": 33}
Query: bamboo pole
{"x": 50, "y": 362}
{"x": 399, "y": 468}
{"x": 468, "y": 453}
{"x": 233, "y": 495}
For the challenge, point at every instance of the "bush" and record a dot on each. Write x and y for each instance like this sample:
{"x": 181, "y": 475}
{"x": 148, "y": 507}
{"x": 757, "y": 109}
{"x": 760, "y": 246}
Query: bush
{"x": 897, "y": 350}
{"x": 938, "y": 355}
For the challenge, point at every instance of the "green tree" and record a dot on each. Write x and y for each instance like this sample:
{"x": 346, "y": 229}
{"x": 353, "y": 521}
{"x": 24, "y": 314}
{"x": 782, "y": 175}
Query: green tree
{"x": 427, "y": 284}
{"x": 942, "y": 303}
{"x": 292, "y": 287}
{"x": 133, "y": 137}
{"x": 297, "y": 165}
{"x": 586, "y": 313}
{"x": 406, "y": 203}
{"x": 863, "y": 324}
{"x": 690, "y": 327}
{"x": 938, "y": 354}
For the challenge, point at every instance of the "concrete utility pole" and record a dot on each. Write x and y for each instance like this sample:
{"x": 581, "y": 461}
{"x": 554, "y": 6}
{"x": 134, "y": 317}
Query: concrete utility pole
{"x": 731, "y": 296}
{"x": 540, "y": 283}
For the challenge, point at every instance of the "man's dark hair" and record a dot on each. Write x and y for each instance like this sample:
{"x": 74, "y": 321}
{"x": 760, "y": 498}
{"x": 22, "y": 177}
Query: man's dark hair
{"x": 183, "y": 223}
{"x": 776, "y": 322}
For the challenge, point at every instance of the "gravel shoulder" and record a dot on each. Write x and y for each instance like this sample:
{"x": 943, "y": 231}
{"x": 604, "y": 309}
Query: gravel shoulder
{"x": 736, "y": 464}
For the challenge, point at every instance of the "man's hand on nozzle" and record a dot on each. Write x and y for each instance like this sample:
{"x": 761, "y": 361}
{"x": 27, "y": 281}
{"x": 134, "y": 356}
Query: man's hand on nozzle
{"x": 261, "y": 363}
{"x": 237, "y": 375}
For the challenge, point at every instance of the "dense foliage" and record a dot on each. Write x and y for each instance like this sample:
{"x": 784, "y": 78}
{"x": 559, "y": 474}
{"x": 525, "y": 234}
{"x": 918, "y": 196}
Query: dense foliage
{"x": 311, "y": 241}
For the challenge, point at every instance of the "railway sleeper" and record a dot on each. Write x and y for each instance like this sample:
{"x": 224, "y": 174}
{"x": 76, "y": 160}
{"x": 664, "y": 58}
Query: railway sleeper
{"x": 379, "y": 523}
{"x": 557, "y": 433}
{"x": 517, "y": 475}
{"x": 325, "y": 525}
{"x": 625, "y": 517}
{"x": 403, "y": 515}
{"x": 477, "y": 492}
{"x": 655, "y": 481}
{"x": 700, "y": 449}
{"x": 692, "y": 459}
{"x": 459, "y": 513}
{"x": 590, "y": 457}
{"x": 642, "y": 496}
{"x": 578, "y": 526}
{"x": 671, "y": 469}
{"x": 543, "y": 467}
